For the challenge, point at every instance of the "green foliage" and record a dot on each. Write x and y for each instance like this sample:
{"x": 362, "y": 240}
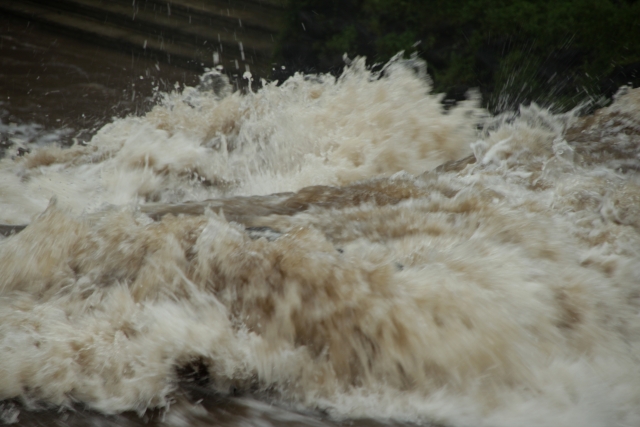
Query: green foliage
{"x": 550, "y": 51}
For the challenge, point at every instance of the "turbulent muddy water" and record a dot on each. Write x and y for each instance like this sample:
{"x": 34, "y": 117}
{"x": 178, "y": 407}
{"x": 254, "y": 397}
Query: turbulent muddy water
{"x": 324, "y": 251}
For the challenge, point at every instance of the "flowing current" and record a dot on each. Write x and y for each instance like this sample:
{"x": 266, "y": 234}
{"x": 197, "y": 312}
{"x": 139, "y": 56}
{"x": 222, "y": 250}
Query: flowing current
{"x": 344, "y": 246}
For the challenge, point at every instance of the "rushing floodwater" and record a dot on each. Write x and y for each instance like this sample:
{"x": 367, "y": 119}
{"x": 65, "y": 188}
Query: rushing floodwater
{"x": 332, "y": 250}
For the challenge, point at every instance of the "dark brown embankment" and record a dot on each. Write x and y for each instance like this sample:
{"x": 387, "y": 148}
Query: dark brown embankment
{"x": 238, "y": 34}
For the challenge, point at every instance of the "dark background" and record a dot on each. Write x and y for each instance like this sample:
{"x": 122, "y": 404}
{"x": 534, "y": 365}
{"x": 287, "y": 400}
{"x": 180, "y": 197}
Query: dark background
{"x": 556, "y": 52}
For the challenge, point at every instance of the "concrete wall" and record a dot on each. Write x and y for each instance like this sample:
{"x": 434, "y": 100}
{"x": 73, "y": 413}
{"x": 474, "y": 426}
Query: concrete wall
{"x": 237, "y": 34}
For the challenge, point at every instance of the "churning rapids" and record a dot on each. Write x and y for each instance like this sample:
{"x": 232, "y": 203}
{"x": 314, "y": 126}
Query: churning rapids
{"x": 340, "y": 245}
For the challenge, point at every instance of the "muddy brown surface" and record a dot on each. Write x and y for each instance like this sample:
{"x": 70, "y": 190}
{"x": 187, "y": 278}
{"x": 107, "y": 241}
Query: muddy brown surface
{"x": 52, "y": 82}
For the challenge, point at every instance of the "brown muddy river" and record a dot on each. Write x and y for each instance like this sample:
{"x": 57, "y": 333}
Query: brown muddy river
{"x": 56, "y": 89}
{"x": 324, "y": 252}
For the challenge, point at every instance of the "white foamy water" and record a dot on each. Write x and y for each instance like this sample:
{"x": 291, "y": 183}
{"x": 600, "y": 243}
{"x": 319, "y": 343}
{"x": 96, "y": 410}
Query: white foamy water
{"x": 499, "y": 290}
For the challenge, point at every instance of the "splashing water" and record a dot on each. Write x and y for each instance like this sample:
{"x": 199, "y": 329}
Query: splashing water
{"x": 343, "y": 245}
